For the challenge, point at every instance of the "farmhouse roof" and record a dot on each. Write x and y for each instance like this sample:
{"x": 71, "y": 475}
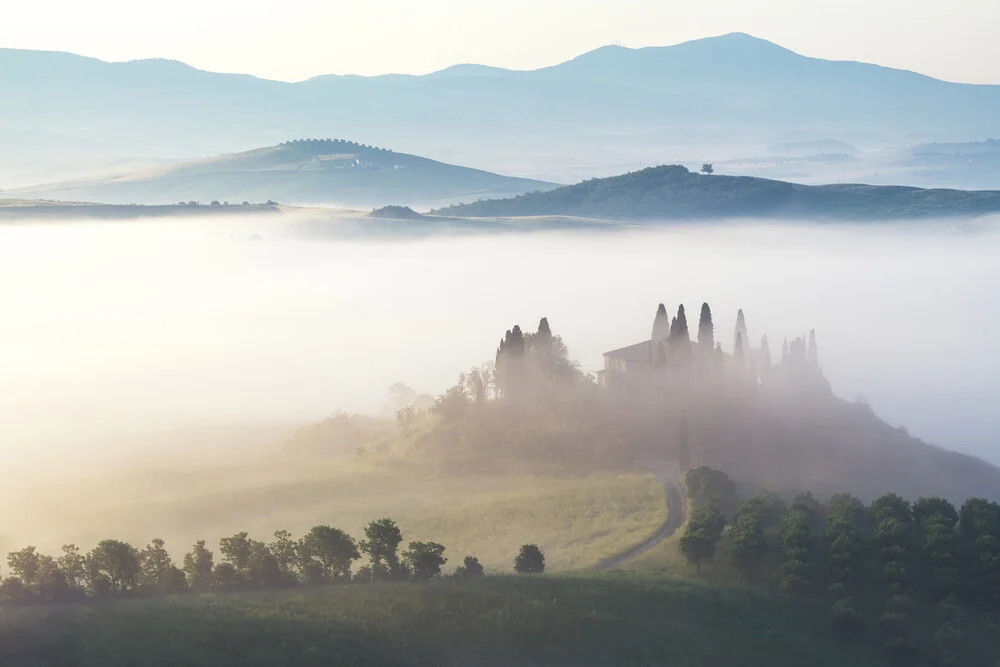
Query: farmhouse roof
{"x": 638, "y": 352}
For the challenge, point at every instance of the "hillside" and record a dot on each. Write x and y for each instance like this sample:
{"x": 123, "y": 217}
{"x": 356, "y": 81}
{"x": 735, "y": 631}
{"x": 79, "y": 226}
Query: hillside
{"x": 500, "y": 622}
{"x": 674, "y": 192}
{"x": 608, "y": 110}
{"x": 334, "y": 172}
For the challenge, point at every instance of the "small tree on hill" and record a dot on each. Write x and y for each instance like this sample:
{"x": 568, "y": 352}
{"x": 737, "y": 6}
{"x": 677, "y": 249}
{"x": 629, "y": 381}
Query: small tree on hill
{"x": 530, "y": 560}
{"x": 469, "y": 569}
{"x": 424, "y": 559}
{"x": 707, "y": 168}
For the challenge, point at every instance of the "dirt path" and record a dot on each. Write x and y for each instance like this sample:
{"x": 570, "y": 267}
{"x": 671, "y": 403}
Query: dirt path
{"x": 669, "y": 476}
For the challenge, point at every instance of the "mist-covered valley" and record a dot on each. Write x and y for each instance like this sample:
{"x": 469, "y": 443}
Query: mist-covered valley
{"x": 114, "y": 333}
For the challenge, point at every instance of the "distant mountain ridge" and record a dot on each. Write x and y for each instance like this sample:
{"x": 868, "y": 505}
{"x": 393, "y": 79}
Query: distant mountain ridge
{"x": 610, "y": 107}
{"x": 301, "y": 172}
{"x": 674, "y": 192}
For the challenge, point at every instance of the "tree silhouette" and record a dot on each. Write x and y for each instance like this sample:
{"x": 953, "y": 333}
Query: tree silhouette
{"x": 707, "y": 168}
{"x": 530, "y": 560}
{"x": 706, "y": 330}
{"x": 381, "y": 543}
{"x": 424, "y": 559}
{"x": 661, "y": 324}
{"x": 813, "y": 351}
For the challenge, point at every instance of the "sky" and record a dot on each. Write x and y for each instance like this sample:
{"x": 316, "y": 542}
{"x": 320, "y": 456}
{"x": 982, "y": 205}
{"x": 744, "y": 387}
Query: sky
{"x": 296, "y": 39}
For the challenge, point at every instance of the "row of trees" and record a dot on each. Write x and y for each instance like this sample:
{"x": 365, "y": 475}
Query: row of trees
{"x": 323, "y": 555}
{"x": 875, "y": 565}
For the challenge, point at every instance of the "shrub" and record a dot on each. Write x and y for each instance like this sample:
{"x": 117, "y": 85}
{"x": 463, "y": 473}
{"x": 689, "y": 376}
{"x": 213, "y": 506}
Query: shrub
{"x": 530, "y": 560}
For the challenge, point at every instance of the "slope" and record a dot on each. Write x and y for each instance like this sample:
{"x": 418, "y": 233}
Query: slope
{"x": 298, "y": 172}
{"x": 498, "y": 621}
{"x": 673, "y": 192}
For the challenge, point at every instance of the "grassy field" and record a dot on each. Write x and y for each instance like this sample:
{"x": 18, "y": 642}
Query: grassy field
{"x": 610, "y": 620}
{"x": 576, "y": 520}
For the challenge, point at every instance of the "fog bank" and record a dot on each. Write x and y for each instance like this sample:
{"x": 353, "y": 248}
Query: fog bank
{"x": 108, "y": 330}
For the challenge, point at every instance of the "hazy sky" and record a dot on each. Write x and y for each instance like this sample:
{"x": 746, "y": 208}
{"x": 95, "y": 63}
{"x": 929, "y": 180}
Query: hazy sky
{"x": 296, "y": 39}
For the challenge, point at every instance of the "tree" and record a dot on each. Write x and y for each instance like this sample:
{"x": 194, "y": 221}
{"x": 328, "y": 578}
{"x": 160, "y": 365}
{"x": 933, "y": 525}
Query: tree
{"x": 24, "y": 565}
{"x": 453, "y": 404}
{"x": 661, "y": 324}
{"x": 263, "y": 569}
{"x": 765, "y": 354}
{"x": 399, "y": 396}
{"x": 680, "y": 338}
{"x": 795, "y": 538}
{"x": 286, "y": 553}
{"x": 813, "y": 351}
{"x": 327, "y": 553}
{"x": 747, "y": 545}
{"x": 236, "y": 551}
{"x": 741, "y": 329}
{"x": 707, "y": 168}
{"x": 407, "y": 417}
{"x": 113, "y": 566}
{"x": 381, "y": 544}
{"x": 158, "y": 574}
{"x": 51, "y": 583}
{"x": 706, "y": 330}
{"x": 226, "y": 578}
{"x": 424, "y": 559}
{"x": 530, "y": 560}
{"x": 701, "y": 535}
{"x": 198, "y": 566}
{"x": 74, "y": 565}
{"x": 711, "y": 488}
{"x": 469, "y": 569}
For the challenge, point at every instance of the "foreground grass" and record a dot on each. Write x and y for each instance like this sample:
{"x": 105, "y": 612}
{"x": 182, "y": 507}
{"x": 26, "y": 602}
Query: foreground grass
{"x": 577, "y": 520}
{"x": 609, "y": 620}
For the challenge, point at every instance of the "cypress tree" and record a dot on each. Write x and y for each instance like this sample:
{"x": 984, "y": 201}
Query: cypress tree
{"x": 784, "y": 351}
{"x": 661, "y": 324}
{"x": 765, "y": 354}
{"x": 542, "y": 349}
{"x": 738, "y": 347}
{"x": 741, "y": 328}
{"x": 514, "y": 368}
{"x": 683, "y": 336}
{"x": 706, "y": 330}
{"x": 813, "y": 351}
{"x": 544, "y": 332}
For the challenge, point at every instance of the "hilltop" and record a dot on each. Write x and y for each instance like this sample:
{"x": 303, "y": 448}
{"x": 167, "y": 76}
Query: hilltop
{"x": 607, "y": 110}
{"x": 310, "y": 171}
{"x": 674, "y": 192}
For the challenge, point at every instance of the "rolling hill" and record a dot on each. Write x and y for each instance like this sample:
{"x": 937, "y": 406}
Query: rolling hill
{"x": 332, "y": 172}
{"x": 674, "y": 192}
{"x": 606, "y": 111}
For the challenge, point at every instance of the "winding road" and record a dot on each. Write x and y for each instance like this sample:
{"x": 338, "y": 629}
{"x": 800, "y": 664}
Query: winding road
{"x": 669, "y": 476}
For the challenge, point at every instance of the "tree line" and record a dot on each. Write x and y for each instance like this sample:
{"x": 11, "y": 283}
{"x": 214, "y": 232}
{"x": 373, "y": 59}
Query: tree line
{"x": 878, "y": 567}
{"x": 324, "y": 555}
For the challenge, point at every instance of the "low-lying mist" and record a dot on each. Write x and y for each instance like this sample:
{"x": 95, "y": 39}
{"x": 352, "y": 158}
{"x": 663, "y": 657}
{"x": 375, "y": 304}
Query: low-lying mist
{"x": 112, "y": 333}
